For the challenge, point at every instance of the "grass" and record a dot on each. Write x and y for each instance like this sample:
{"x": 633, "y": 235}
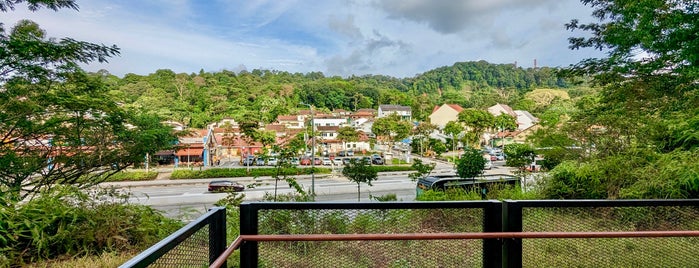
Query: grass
{"x": 107, "y": 259}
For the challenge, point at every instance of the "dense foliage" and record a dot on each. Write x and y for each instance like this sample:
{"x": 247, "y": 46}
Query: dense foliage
{"x": 65, "y": 221}
{"x": 470, "y": 164}
{"x": 58, "y": 125}
{"x": 637, "y": 138}
{"x": 200, "y": 98}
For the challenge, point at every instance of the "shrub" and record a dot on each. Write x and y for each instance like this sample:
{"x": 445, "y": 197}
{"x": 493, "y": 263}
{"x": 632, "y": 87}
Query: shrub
{"x": 64, "y": 221}
{"x": 133, "y": 176}
{"x": 242, "y": 172}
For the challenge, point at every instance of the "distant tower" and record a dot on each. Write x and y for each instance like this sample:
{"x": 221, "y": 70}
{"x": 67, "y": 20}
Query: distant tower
{"x": 515, "y": 64}
{"x": 534, "y": 63}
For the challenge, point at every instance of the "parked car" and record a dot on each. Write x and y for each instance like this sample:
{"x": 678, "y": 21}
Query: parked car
{"x": 349, "y": 153}
{"x": 341, "y": 153}
{"x": 376, "y": 160}
{"x": 295, "y": 161}
{"x": 272, "y": 161}
{"x": 248, "y": 160}
{"x": 500, "y": 156}
{"x": 317, "y": 161}
{"x": 346, "y": 160}
{"x": 225, "y": 185}
{"x": 488, "y": 164}
{"x": 326, "y": 161}
{"x": 305, "y": 161}
{"x": 337, "y": 161}
{"x": 260, "y": 161}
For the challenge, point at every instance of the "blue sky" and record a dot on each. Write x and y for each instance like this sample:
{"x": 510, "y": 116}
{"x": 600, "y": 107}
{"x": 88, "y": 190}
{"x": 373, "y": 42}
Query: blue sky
{"x": 400, "y": 38}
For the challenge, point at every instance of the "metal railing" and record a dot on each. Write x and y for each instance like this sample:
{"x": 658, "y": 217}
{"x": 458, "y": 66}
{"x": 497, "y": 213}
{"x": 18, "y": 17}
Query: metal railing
{"x": 542, "y": 233}
{"x": 197, "y": 244}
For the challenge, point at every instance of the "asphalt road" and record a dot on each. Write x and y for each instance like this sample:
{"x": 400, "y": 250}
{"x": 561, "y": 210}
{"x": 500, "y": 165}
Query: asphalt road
{"x": 187, "y": 199}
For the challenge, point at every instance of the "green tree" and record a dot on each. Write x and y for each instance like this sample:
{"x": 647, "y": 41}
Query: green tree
{"x": 422, "y": 134}
{"x": 57, "y": 123}
{"x": 519, "y": 155}
{"x": 643, "y": 98}
{"x": 471, "y": 163}
{"x": 347, "y": 134}
{"x": 360, "y": 171}
{"x": 453, "y": 129}
{"x": 391, "y": 128}
{"x": 477, "y": 121}
{"x": 421, "y": 170}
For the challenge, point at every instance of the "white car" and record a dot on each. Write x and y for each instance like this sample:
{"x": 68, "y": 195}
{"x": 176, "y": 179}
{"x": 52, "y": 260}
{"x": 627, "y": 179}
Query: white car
{"x": 326, "y": 161}
{"x": 488, "y": 164}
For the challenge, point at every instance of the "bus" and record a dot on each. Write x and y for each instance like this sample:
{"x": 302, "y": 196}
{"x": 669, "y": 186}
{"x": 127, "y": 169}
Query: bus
{"x": 481, "y": 183}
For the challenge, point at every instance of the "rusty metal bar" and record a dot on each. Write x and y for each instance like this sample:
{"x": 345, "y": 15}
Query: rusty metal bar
{"x": 227, "y": 253}
{"x": 446, "y": 236}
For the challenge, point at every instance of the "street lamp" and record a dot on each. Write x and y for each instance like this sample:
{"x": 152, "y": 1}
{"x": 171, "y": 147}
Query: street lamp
{"x": 313, "y": 154}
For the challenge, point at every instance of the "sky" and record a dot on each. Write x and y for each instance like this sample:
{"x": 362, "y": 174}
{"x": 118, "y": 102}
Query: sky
{"x": 399, "y": 38}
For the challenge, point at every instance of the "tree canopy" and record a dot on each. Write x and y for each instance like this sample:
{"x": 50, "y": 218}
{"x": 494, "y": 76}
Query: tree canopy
{"x": 58, "y": 125}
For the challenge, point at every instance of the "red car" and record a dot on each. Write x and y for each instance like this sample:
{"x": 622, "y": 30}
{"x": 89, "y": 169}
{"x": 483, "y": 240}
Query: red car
{"x": 305, "y": 161}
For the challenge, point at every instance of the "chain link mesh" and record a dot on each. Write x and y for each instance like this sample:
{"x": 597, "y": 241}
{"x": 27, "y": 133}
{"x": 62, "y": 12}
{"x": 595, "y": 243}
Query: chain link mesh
{"x": 610, "y": 252}
{"x": 409, "y": 253}
{"x": 192, "y": 252}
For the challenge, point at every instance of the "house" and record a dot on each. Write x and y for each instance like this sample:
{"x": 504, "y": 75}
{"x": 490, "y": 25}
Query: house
{"x": 525, "y": 120}
{"x": 327, "y": 132}
{"x": 405, "y": 112}
{"x": 291, "y": 121}
{"x": 499, "y": 108}
{"x": 194, "y": 148}
{"x": 363, "y": 113}
{"x": 330, "y": 121}
{"x": 441, "y": 115}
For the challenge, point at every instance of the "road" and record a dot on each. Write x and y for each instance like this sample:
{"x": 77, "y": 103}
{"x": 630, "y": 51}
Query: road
{"x": 188, "y": 201}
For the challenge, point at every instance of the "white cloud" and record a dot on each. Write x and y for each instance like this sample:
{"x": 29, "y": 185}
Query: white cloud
{"x": 392, "y": 37}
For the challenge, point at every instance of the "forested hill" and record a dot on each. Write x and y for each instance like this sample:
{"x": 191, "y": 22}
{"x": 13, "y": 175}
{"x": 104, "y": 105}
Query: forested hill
{"x": 261, "y": 95}
{"x": 482, "y": 74}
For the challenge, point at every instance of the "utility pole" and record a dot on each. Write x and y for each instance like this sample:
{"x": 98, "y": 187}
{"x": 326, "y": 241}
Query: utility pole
{"x": 313, "y": 154}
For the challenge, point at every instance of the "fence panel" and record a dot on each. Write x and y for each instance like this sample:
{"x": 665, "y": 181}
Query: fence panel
{"x": 603, "y": 216}
{"x": 195, "y": 245}
{"x": 374, "y": 218}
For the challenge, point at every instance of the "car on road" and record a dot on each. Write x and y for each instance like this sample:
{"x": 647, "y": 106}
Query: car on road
{"x": 225, "y": 185}
{"x": 376, "y": 160}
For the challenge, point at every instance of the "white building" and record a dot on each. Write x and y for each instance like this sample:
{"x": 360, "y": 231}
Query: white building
{"x": 405, "y": 112}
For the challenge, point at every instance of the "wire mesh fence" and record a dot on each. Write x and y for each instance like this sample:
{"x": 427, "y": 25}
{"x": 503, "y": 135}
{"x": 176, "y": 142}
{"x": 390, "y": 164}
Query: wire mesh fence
{"x": 192, "y": 252}
{"x": 195, "y": 245}
{"x": 385, "y": 219}
{"x": 610, "y": 252}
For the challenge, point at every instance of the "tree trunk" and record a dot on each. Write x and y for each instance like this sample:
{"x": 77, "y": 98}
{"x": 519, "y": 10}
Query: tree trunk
{"x": 358, "y": 193}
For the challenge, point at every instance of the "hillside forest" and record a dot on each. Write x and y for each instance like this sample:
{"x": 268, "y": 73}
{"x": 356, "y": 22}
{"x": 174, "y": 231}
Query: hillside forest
{"x": 261, "y": 95}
